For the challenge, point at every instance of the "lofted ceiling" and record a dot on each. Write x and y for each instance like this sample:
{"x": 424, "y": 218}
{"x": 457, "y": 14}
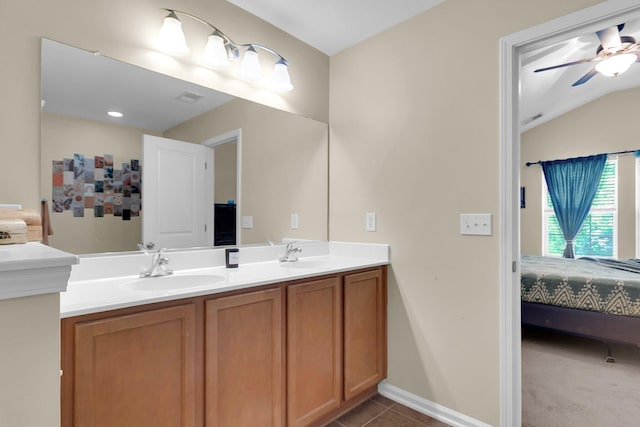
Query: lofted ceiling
{"x": 549, "y": 94}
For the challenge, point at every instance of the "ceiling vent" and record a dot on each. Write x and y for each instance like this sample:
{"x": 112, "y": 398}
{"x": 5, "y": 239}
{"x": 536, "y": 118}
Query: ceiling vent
{"x": 189, "y": 97}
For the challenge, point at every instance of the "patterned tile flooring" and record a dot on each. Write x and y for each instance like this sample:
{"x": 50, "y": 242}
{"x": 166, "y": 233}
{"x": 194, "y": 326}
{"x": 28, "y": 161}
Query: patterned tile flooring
{"x": 382, "y": 412}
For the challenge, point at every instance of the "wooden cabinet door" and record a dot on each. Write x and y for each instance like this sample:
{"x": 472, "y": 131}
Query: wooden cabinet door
{"x": 365, "y": 338}
{"x": 136, "y": 370}
{"x": 314, "y": 350}
{"x": 244, "y": 360}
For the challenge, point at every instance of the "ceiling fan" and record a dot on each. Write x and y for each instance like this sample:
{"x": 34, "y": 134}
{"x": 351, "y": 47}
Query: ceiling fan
{"x": 614, "y": 55}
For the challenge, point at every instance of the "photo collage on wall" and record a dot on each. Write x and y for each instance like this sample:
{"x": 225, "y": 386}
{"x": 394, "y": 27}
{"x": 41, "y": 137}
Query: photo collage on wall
{"x": 81, "y": 183}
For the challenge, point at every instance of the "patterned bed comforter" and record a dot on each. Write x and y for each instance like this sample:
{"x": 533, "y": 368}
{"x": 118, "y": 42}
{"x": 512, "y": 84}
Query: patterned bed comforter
{"x": 608, "y": 286}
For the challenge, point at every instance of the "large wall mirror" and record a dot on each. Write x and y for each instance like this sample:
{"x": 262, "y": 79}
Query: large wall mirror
{"x": 272, "y": 165}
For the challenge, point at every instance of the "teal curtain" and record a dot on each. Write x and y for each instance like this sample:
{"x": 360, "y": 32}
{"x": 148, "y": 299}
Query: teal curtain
{"x": 572, "y": 185}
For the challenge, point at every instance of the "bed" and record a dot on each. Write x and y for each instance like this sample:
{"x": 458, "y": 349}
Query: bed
{"x": 589, "y": 297}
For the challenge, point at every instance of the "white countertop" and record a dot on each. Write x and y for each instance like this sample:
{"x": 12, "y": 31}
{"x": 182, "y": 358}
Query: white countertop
{"x": 30, "y": 255}
{"x": 198, "y": 273}
{"x": 31, "y": 268}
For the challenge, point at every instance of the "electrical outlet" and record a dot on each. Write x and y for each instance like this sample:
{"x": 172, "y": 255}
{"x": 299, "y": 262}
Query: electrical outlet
{"x": 475, "y": 224}
{"x": 294, "y": 221}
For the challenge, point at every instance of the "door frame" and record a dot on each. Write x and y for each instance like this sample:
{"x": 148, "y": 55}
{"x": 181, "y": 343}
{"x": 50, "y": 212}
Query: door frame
{"x": 234, "y": 135}
{"x": 594, "y": 18}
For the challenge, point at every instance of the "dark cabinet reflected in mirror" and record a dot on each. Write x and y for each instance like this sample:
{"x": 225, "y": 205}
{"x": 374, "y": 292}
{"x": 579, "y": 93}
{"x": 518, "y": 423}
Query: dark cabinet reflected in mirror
{"x": 278, "y": 166}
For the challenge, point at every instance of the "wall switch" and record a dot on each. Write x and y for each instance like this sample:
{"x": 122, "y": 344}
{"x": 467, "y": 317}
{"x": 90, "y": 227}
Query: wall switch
{"x": 247, "y": 221}
{"x": 294, "y": 221}
{"x": 475, "y": 224}
{"x": 371, "y": 221}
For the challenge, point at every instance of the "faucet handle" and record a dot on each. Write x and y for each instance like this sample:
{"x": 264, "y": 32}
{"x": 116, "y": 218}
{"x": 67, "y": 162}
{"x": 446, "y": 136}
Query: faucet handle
{"x": 149, "y": 246}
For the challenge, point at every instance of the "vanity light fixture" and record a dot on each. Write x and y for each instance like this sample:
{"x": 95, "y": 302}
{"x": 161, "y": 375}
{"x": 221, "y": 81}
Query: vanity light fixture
{"x": 220, "y": 51}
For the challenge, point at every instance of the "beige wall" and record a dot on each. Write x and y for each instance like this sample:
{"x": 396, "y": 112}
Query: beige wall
{"x": 225, "y": 172}
{"x": 30, "y": 361}
{"x": 599, "y": 127}
{"x": 415, "y": 138}
{"x": 284, "y": 167}
{"x": 126, "y": 30}
{"x": 62, "y": 136}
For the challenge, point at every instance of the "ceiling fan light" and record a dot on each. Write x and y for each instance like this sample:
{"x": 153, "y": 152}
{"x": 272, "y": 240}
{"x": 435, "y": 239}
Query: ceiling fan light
{"x": 171, "y": 38}
{"x": 280, "y": 80}
{"x": 215, "y": 53}
{"x": 250, "y": 68}
{"x": 616, "y": 64}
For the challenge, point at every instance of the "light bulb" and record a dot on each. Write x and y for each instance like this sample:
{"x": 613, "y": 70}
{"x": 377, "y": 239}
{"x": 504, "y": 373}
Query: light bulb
{"x": 250, "y": 68}
{"x": 171, "y": 38}
{"x": 280, "y": 80}
{"x": 616, "y": 64}
{"x": 215, "y": 54}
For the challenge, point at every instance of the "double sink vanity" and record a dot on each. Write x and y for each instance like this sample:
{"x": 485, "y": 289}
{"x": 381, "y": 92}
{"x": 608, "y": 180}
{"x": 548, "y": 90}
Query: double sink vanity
{"x": 269, "y": 343}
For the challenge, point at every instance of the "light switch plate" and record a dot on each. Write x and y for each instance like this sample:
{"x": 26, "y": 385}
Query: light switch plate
{"x": 247, "y": 221}
{"x": 294, "y": 221}
{"x": 475, "y": 224}
{"x": 371, "y": 221}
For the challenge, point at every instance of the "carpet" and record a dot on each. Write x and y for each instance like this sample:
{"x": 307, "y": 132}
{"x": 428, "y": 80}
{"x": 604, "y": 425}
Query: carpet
{"x": 567, "y": 383}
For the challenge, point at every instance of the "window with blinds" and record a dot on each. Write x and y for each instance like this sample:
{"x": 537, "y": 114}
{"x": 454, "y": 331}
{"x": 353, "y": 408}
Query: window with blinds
{"x": 598, "y": 235}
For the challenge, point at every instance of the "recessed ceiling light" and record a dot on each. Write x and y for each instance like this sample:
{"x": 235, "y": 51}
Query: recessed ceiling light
{"x": 115, "y": 114}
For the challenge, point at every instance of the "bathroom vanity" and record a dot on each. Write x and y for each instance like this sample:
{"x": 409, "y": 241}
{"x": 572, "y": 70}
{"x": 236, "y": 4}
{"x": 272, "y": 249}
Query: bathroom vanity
{"x": 266, "y": 344}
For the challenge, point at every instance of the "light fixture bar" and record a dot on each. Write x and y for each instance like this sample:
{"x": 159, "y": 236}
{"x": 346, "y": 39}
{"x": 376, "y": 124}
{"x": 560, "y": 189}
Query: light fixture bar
{"x": 218, "y": 42}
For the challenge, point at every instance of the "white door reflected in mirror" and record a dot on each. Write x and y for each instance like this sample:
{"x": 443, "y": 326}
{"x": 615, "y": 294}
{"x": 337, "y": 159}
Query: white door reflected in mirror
{"x": 177, "y": 180}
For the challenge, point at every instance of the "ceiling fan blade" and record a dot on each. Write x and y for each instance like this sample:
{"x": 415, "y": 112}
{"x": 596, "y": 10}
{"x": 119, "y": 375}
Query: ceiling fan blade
{"x": 610, "y": 38}
{"x": 553, "y": 67}
{"x": 585, "y": 78}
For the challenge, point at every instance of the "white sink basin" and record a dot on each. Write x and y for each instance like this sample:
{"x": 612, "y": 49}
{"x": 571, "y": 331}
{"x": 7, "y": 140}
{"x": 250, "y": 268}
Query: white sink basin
{"x": 304, "y": 264}
{"x": 168, "y": 283}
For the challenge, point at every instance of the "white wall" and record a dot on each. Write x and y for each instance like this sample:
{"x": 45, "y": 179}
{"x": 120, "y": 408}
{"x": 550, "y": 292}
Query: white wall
{"x": 598, "y": 127}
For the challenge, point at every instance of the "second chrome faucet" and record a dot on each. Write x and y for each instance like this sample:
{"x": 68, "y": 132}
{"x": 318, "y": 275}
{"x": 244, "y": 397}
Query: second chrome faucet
{"x": 291, "y": 253}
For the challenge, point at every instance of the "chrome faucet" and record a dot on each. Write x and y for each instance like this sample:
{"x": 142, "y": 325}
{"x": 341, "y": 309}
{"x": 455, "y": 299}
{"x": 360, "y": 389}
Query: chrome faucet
{"x": 291, "y": 253}
{"x": 158, "y": 261}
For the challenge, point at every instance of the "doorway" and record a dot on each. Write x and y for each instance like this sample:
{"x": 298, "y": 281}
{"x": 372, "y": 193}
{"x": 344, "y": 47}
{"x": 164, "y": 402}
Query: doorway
{"x": 592, "y": 19}
{"x": 227, "y": 192}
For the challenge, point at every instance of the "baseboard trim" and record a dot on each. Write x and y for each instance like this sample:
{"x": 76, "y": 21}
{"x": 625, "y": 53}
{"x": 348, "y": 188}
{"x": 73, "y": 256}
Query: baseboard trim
{"x": 427, "y": 407}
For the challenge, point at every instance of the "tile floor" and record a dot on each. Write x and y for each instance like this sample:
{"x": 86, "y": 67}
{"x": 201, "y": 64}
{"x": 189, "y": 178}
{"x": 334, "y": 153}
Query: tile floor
{"x": 382, "y": 412}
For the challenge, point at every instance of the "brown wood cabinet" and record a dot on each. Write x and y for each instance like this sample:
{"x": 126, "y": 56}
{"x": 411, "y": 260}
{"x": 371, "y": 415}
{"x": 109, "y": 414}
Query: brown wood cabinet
{"x": 244, "y": 360}
{"x": 293, "y": 354}
{"x": 365, "y": 336}
{"x": 136, "y": 370}
{"x": 314, "y": 350}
